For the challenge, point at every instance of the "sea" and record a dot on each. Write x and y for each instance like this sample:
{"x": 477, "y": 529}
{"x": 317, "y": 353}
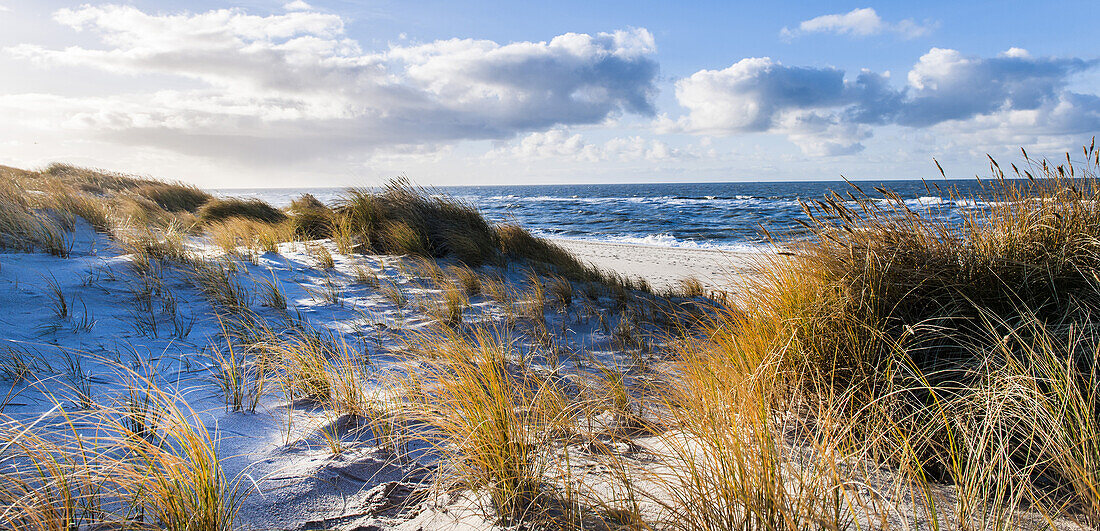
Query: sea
{"x": 732, "y": 216}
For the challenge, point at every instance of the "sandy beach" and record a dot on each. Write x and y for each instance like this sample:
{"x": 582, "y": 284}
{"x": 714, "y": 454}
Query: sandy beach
{"x": 665, "y": 267}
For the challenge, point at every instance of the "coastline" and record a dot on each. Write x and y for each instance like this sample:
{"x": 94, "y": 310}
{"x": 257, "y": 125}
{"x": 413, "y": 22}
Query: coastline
{"x": 665, "y": 267}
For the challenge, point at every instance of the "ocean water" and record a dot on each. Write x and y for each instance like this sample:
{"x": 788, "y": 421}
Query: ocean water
{"x": 702, "y": 215}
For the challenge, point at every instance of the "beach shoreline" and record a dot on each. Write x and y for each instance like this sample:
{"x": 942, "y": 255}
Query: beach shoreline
{"x": 666, "y": 267}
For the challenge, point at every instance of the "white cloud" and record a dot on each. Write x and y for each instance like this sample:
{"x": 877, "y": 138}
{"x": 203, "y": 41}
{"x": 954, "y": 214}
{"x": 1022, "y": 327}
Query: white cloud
{"x": 291, "y": 86}
{"x": 826, "y": 113}
{"x": 297, "y": 5}
{"x": 859, "y": 23}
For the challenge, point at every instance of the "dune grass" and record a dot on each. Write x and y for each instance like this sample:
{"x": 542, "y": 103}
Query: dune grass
{"x": 893, "y": 371}
{"x": 174, "y": 197}
{"x": 219, "y": 209}
{"x": 24, "y": 228}
{"x": 488, "y": 423}
{"x": 151, "y": 464}
{"x": 948, "y": 345}
{"x": 311, "y": 219}
{"x": 253, "y": 236}
{"x": 403, "y": 219}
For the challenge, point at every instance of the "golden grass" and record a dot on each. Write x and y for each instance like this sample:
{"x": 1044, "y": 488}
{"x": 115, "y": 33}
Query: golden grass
{"x": 219, "y": 209}
{"x": 152, "y": 464}
{"x": 468, "y": 279}
{"x": 488, "y": 423}
{"x": 942, "y": 351}
{"x": 890, "y": 359}
{"x": 174, "y": 197}
{"x": 321, "y": 254}
{"x": 254, "y": 236}
{"x": 21, "y": 227}
{"x": 691, "y": 287}
{"x": 403, "y": 219}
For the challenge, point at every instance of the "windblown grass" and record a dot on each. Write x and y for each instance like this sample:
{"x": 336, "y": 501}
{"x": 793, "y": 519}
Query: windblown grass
{"x": 222, "y": 209}
{"x": 92, "y": 180}
{"x": 23, "y": 228}
{"x": 949, "y": 346}
{"x": 489, "y": 425}
{"x": 151, "y": 464}
{"x": 311, "y": 219}
{"x": 254, "y": 236}
{"x": 174, "y": 197}
{"x": 403, "y": 219}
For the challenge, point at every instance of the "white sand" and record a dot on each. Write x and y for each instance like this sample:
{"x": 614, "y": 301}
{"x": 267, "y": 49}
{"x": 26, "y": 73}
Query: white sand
{"x": 665, "y": 267}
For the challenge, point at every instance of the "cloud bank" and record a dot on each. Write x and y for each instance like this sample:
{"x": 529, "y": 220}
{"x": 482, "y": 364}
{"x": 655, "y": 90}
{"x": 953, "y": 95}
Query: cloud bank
{"x": 561, "y": 145}
{"x": 826, "y": 112}
{"x": 292, "y": 85}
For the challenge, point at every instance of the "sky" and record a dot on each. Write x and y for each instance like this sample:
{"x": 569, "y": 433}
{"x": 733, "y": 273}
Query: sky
{"x": 338, "y": 92}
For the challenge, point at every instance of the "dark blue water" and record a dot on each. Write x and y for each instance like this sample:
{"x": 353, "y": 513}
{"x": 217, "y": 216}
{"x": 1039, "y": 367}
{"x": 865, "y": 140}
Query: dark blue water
{"x": 709, "y": 215}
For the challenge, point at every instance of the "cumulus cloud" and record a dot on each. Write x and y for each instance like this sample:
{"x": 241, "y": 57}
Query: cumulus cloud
{"x": 294, "y": 85}
{"x": 859, "y": 23}
{"x": 826, "y": 112}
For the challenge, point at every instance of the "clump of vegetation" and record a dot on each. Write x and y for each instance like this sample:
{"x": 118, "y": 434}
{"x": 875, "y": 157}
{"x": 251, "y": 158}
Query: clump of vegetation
{"x": 253, "y": 235}
{"x": 515, "y": 241}
{"x": 21, "y": 227}
{"x": 692, "y": 288}
{"x": 488, "y": 421}
{"x": 403, "y": 219}
{"x": 174, "y": 197}
{"x": 946, "y": 343}
{"x": 95, "y": 181}
{"x": 151, "y": 464}
{"x": 312, "y": 219}
{"x": 220, "y": 209}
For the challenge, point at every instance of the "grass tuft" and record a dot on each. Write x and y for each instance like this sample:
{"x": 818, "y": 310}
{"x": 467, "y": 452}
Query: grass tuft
{"x": 219, "y": 209}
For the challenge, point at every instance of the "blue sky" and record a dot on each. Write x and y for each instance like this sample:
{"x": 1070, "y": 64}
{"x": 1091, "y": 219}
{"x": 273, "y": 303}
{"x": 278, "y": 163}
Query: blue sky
{"x": 337, "y": 92}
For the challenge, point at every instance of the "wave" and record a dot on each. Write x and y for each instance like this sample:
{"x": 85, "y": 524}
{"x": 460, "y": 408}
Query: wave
{"x": 664, "y": 240}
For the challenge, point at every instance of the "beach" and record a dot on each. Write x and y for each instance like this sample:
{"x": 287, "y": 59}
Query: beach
{"x": 364, "y": 365}
{"x": 665, "y": 267}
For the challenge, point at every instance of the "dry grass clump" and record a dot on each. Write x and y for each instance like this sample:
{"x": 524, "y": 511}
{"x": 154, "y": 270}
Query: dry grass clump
{"x": 174, "y": 197}
{"x": 219, "y": 209}
{"x": 219, "y": 283}
{"x": 561, "y": 292}
{"x": 487, "y": 422}
{"x": 468, "y": 279}
{"x": 151, "y": 464}
{"x": 23, "y": 228}
{"x": 95, "y": 181}
{"x": 691, "y": 288}
{"x": 403, "y": 219}
{"x": 449, "y": 308}
{"x": 321, "y": 254}
{"x": 61, "y": 198}
{"x": 365, "y": 275}
{"x": 742, "y": 454}
{"x": 255, "y": 236}
{"x": 393, "y": 293}
{"x": 319, "y": 366}
{"x": 136, "y": 212}
{"x": 312, "y": 219}
{"x": 961, "y": 352}
{"x": 517, "y": 242}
